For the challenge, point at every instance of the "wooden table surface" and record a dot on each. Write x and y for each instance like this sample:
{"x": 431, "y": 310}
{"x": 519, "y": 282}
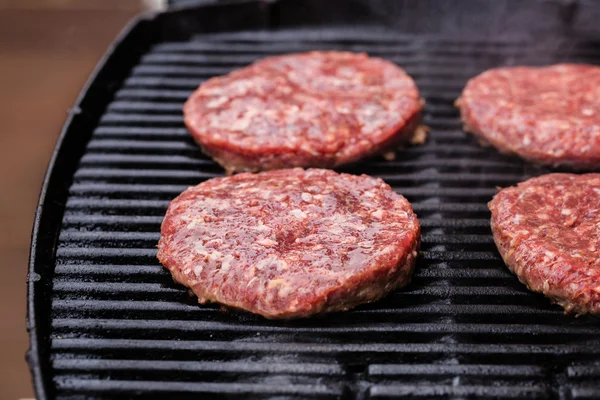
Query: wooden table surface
{"x": 47, "y": 50}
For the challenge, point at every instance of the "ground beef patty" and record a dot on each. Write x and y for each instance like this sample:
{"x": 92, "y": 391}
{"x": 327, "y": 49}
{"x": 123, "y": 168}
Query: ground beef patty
{"x": 548, "y": 115}
{"x": 290, "y": 243}
{"x": 547, "y": 230}
{"x": 318, "y": 109}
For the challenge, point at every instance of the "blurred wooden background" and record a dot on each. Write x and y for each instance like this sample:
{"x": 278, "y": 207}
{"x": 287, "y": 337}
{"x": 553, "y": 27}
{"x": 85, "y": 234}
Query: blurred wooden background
{"x": 47, "y": 50}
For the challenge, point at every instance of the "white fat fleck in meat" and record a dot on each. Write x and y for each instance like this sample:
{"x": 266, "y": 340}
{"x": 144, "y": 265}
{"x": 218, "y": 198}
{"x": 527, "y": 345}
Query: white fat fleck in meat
{"x": 271, "y": 261}
{"x": 251, "y": 281}
{"x": 265, "y": 194}
{"x": 367, "y": 244}
{"x": 357, "y": 259}
{"x": 281, "y": 197}
{"x": 214, "y": 260}
{"x": 226, "y": 264}
{"x": 549, "y": 254}
{"x": 306, "y": 239}
{"x": 285, "y": 290}
{"x": 369, "y": 194}
{"x": 305, "y": 146}
{"x": 200, "y": 249}
{"x": 273, "y": 283}
{"x": 344, "y": 109}
{"x": 379, "y": 214}
{"x": 347, "y": 72}
{"x": 261, "y": 227}
{"x": 214, "y": 103}
{"x": 401, "y": 214}
{"x": 267, "y": 242}
{"x": 242, "y": 123}
{"x": 546, "y": 286}
{"x": 573, "y": 286}
{"x": 335, "y": 230}
{"x": 385, "y": 250}
{"x": 191, "y": 225}
{"x": 214, "y": 204}
{"x": 357, "y": 225}
{"x": 306, "y": 197}
{"x": 297, "y": 213}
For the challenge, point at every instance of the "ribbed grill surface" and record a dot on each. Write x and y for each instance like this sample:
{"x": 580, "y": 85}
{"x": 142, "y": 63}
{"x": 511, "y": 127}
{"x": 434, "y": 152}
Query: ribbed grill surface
{"x": 465, "y": 327}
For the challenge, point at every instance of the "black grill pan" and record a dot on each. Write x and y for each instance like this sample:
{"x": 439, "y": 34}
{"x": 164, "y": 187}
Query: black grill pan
{"x": 107, "y": 321}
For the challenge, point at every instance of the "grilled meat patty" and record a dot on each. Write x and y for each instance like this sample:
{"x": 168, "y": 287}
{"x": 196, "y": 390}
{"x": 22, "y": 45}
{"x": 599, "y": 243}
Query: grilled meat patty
{"x": 547, "y": 115}
{"x": 317, "y": 109}
{"x": 290, "y": 243}
{"x": 547, "y": 230}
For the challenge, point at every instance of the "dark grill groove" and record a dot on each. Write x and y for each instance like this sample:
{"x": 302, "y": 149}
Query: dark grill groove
{"x": 465, "y": 327}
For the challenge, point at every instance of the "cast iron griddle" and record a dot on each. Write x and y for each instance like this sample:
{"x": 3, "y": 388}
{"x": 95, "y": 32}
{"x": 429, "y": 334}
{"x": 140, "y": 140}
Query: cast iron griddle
{"x": 106, "y": 320}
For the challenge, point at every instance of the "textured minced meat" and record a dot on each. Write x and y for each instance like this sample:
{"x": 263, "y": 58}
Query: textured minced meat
{"x": 290, "y": 243}
{"x": 547, "y": 230}
{"x": 548, "y": 115}
{"x": 317, "y": 109}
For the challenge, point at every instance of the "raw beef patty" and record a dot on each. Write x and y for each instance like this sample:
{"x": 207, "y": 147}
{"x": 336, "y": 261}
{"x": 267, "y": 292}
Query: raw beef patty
{"x": 548, "y": 115}
{"x": 318, "y": 109}
{"x": 290, "y": 243}
{"x": 547, "y": 230}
